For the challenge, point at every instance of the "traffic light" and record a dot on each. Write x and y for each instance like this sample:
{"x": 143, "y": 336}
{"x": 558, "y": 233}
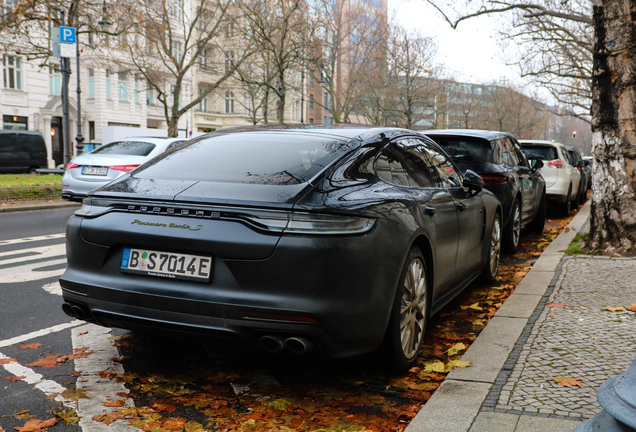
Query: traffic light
{"x": 573, "y": 134}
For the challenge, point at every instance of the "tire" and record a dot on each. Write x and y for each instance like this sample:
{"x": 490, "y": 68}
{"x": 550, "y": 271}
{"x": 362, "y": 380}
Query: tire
{"x": 512, "y": 230}
{"x": 489, "y": 273}
{"x": 538, "y": 223}
{"x": 32, "y": 171}
{"x": 566, "y": 207}
{"x": 409, "y": 314}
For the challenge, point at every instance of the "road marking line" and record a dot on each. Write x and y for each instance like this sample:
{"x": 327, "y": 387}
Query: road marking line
{"x": 97, "y": 388}
{"x": 32, "y": 239}
{"x": 42, "y": 252}
{"x": 53, "y": 288}
{"x": 26, "y": 273}
{"x": 47, "y": 386}
{"x": 39, "y": 333}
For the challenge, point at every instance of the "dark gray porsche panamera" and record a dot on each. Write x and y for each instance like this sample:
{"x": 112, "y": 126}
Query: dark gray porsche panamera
{"x": 332, "y": 242}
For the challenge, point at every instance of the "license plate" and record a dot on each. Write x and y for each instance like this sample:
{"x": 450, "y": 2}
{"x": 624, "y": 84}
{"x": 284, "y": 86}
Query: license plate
{"x": 166, "y": 264}
{"x": 101, "y": 171}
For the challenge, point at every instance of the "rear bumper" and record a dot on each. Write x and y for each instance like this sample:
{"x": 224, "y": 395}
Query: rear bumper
{"x": 341, "y": 287}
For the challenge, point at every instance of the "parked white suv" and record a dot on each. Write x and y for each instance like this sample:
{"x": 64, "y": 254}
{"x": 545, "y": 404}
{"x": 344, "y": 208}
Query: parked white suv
{"x": 561, "y": 177}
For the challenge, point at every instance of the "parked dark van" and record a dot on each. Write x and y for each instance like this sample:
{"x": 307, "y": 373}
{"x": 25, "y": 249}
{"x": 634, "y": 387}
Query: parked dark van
{"x": 22, "y": 151}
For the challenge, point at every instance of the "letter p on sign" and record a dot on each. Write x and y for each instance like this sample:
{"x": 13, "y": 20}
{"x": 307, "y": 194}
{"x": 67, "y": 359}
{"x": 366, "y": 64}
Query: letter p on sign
{"x": 67, "y": 35}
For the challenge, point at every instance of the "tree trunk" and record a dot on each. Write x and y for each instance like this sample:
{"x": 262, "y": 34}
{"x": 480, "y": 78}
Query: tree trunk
{"x": 613, "y": 221}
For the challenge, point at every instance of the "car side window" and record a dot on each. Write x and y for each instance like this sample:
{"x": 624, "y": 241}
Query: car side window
{"x": 8, "y": 143}
{"x": 497, "y": 152}
{"x": 443, "y": 166}
{"x": 521, "y": 156}
{"x": 509, "y": 156}
{"x": 400, "y": 163}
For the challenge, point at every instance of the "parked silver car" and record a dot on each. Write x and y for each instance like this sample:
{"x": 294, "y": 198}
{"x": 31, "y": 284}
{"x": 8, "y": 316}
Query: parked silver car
{"x": 106, "y": 163}
{"x": 561, "y": 177}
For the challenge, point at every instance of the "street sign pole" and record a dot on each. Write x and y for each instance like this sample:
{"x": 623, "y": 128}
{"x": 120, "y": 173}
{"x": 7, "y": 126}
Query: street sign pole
{"x": 65, "y": 77}
{"x": 79, "y": 138}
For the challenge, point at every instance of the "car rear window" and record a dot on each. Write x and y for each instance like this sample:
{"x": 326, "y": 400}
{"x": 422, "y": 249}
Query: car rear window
{"x": 540, "y": 152}
{"x": 260, "y": 158}
{"x": 465, "y": 150}
{"x": 133, "y": 148}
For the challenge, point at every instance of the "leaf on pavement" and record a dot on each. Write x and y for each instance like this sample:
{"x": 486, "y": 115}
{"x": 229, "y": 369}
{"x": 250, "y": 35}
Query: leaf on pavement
{"x": 568, "y": 381}
{"x": 105, "y": 374}
{"x": 434, "y": 366}
{"x": 425, "y": 386}
{"x": 164, "y": 407}
{"x": 74, "y": 394}
{"x": 474, "y": 306}
{"x": 36, "y": 425}
{"x": 109, "y": 418}
{"x": 119, "y": 403}
{"x": 456, "y": 349}
{"x": 455, "y": 363}
{"x": 556, "y": 305}
{"x": 15, "y": 378}
{"x": 31, "y": 346}
{"x": 632, "y": 308}
{"x": 20, "y": 415}
{"x": 615, "y": 309}
{"x": 69, "y": 417}
{"x": 7, "y": 360}
{"x": 47, "y": 362}
{"x": 193, "y": 426}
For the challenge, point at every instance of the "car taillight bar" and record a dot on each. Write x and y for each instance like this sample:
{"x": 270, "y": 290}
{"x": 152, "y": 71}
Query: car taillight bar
{"x": 71, "y": 165}
{"x": 124, "y": 168}
{"x": 494, "y": 179}
{"x": 557, "y": 163}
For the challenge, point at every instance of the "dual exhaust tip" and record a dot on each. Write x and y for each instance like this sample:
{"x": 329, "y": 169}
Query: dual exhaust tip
{"x": 76, "y": 311}
{"x": 296, "y": 344}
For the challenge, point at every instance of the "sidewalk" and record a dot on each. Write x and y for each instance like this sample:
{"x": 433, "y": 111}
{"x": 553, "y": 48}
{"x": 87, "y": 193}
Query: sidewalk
{"x": 510, "y": 385}
{"x": 24, "y": 206}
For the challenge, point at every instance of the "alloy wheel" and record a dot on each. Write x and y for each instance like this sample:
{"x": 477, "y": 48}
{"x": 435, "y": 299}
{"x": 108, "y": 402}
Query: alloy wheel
{"x": 495, "y": 246}
{"x": 413, "y": 309}
{"x": 516, "y": 227}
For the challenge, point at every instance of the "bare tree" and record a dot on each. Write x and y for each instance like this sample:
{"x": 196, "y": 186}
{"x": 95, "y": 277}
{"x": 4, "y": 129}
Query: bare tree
{"x": 346, "y": 42}
{"x": 400, "y": 86}
{"x": 280, "y": 32}
{"x": 555, "y": 39}
{"x": 176, "y": 36}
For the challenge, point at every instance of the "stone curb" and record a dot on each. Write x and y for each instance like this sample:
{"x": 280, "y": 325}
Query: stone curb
{"x": 458, "y": 401}
{"x": 38, "y": 206}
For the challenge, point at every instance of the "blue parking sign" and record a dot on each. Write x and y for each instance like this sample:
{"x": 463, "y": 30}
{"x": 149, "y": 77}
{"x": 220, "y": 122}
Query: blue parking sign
{"x": 67, "y": 35}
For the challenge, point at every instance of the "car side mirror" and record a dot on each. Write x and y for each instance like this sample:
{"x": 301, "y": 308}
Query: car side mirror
{"x": 579, "y": 164}
{"x": 537, "y": 164}
{"x": 473, "y": 181}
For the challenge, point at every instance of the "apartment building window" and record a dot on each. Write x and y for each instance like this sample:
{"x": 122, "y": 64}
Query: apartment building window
{"x": 229, "y": 30}
{"x": 203, "y": 105}
{"x": 176, "y": 10}
{"x": 327, "y": 120}
{"x": 150, "y": 95}
{"x": 229, "y": 102}
{"x": 91, "y": 130}
{"x": 123, "y": 86}
{"x": 204, "y": 59}
{"x": 311, "y": 121}
{"x": 177, "y": 51}
{"x": 326, "y": 100}
{"x": 108, "y": 85}
{"x": 311, "y": 101}
{"x": 311, "y": 79}
{"x": 55, "y": 82}
{"x": 229, "y": 61}
{"x": 12, "y": 66}
{"x": 136, "y": 90}
{"x": 91, "y": 83}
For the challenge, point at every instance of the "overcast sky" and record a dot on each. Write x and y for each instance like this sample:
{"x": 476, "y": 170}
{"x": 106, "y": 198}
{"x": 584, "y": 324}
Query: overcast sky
{"x": 473, "y": 52}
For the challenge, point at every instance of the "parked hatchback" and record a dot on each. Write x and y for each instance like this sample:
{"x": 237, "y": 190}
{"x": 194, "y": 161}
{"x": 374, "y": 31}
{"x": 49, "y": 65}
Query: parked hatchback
{"x": 499, "y": 159}
{"x": 22, "y": 151}
{"x": 108, "y": 162}
{"x": 561, "y": 177}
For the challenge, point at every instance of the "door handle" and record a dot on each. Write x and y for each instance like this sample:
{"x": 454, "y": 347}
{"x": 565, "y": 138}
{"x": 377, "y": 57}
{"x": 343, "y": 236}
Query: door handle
{"x": 461, "y": 206}
{"x": 430, "y": 210}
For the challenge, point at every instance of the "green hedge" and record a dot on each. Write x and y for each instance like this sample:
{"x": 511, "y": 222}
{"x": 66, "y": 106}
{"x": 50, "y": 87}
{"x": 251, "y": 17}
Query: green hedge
{"x": 34, "y": 193}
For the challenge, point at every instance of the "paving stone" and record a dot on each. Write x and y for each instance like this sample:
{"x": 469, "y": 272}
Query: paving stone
{"x": 494, "y": 422}
{"x": 580, "y": 340}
